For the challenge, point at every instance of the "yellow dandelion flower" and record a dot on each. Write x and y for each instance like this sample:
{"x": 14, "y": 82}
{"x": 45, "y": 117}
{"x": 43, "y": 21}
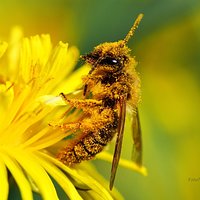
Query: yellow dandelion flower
{"x": 33, "y": 74}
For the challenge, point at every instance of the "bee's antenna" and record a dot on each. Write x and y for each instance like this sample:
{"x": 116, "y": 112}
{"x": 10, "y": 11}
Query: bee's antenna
{"x": 133, "y": 28}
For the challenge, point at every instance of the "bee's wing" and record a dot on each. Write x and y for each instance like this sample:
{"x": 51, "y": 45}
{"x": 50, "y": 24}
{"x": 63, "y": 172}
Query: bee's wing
{"x": 137, "y": 139}
{"x": 118, "y": 145}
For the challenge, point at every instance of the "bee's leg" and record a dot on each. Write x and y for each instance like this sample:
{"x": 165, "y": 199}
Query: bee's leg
{"x": 85, "y": 90}
{"x": 74, "y": 126}
{"x": 81, "y": 103}
{"x": 68, "y": 126}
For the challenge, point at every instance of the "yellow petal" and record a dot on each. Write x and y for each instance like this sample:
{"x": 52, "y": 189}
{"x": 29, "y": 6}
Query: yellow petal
{"x": 81, "y": 176}
{"x": 3, "y": 47}
{"x": 34, "y": 56}
{"x": 4, "y": 188}
{"x": 12, "y": 114}
{"x": 62, "y": 62}
{"x": 18, "y": 175}
{"x": 122, "y": 162}
{"x": 74, "y": 81}
{"x": 36, "y": 172}
{"x": 14, "y": 51}
{"x": 93, "y": 172}
{"x": 59, "y": 177}
{"x": 6, "y": 98}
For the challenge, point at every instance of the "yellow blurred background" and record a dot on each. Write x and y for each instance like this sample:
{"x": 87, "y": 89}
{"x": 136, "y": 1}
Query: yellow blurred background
{"x": 167, "y": 47}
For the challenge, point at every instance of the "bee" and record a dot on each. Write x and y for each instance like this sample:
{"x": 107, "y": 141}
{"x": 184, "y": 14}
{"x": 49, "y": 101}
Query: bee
{"x": 110, "y": 85}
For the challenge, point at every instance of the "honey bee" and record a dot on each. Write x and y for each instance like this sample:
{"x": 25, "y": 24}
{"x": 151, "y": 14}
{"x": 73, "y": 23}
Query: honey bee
{"x": 110, "y": 85}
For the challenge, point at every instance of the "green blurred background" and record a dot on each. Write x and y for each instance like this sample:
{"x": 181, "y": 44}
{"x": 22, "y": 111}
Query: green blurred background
{"x": 167, "y": 46}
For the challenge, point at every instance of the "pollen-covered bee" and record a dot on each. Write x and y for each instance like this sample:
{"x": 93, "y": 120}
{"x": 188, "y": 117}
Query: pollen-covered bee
{"x": 110, "y": 85}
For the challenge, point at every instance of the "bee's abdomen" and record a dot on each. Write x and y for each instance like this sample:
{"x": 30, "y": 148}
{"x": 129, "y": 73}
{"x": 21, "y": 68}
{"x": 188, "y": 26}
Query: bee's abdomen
{"x": 88, "y": 146}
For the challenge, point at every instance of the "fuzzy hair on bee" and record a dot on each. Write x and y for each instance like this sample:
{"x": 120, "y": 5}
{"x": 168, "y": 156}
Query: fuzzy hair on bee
{"x": 111, "y": 84}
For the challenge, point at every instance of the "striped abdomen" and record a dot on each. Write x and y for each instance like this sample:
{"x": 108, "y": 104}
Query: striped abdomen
{"x": 89, "y": 146}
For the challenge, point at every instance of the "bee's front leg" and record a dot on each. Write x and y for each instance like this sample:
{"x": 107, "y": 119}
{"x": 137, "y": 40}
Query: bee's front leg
{"x": 84, "y": 104}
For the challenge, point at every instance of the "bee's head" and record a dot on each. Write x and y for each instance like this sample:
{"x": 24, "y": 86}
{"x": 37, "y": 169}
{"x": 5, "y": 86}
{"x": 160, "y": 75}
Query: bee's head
{"x": 111, "y": 55}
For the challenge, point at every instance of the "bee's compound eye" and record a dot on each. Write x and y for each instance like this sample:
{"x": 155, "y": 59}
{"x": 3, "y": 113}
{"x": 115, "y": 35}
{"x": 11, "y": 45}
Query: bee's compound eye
{"x": 109, "y": 61}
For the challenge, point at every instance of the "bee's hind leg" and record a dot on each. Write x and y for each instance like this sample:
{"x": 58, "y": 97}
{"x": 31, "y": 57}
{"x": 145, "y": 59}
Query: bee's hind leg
{"x": 67, "y": 126}
{"x": 85, "y": 126}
